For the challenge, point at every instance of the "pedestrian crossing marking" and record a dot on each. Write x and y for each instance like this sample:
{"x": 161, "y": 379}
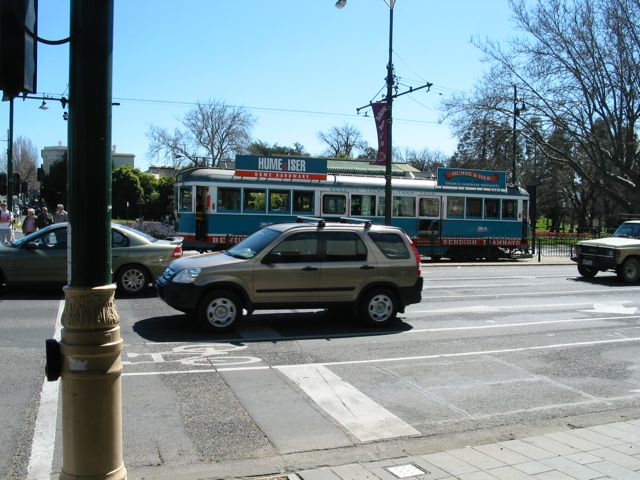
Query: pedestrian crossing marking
{"x": 364, "y": 418}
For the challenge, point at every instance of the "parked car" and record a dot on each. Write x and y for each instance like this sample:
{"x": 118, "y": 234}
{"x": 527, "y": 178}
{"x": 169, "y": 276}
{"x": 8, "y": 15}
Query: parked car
{"x": 41, "y": 258}
{"x": 620, "y": 253}
{"x": 369, "y": 269}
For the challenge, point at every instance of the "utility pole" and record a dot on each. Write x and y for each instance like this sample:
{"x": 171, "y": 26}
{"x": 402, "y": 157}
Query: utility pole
{"x": 91, "y": 342}
{"x": 388, "y": 196}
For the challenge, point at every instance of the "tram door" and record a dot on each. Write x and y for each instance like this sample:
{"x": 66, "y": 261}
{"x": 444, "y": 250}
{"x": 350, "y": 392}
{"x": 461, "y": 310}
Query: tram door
{"x": 430, "y": 224}
{"x": 201, "y": 209}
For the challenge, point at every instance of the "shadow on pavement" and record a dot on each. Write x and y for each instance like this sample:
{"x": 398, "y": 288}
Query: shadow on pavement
{"x": 264, "y": 327}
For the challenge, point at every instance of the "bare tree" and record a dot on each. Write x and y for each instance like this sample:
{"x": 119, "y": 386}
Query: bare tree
{"x": 577, "y": 68}
{"x": 425, "y": 160}
{"x": 212, "y": 131}
{"x": 342, "y": 142}
{"x": 24, "y": 161}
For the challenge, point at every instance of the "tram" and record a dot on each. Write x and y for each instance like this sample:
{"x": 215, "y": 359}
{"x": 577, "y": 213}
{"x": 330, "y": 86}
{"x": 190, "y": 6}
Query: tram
{"x": 461, "y": 214}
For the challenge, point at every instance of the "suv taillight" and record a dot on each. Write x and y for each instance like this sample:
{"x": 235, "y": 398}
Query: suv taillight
{"x": 177, "y": 252}
{"x": 415, "y": 251}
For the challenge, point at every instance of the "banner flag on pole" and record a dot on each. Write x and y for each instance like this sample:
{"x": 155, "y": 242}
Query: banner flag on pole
{"x": 380, "y": 116}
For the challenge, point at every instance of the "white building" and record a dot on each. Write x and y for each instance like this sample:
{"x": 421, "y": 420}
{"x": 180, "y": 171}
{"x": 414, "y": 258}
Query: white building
{"x": 51, "y": 155}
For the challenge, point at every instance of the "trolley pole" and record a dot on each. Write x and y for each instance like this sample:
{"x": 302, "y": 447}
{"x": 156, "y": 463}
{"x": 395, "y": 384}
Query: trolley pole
{"x": 91, "y": 342}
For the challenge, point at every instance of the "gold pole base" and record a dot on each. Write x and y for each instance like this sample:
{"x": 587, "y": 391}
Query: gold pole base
{"x": 91, "y": 386}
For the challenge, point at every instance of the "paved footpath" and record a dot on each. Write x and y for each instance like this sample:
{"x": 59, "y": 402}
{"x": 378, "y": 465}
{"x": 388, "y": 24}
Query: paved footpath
{"x": 609, "y": 451}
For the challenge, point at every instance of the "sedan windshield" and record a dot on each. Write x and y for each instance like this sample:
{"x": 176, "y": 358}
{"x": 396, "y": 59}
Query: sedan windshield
{"x": 253, "y": 244}
{"x": 628, "y": 230}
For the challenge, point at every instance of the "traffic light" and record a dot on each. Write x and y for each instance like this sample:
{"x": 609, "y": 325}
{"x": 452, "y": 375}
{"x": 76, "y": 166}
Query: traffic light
{"x": 3, "y": 183}
{"x": 18, "y": 52}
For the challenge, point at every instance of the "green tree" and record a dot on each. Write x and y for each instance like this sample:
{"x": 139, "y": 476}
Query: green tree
{"x": 126, "y": 192}
{"x": 262, "y": 148}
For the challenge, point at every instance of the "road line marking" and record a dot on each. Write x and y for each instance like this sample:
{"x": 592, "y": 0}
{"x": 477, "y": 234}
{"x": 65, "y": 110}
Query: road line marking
{"x": 401, "y": 359}
{"x": 498, "y": 308}
{"x": 364, "y": 418}
{"x": 519, "y": 324}
{"x": 44, "y": 435}
{"x": 529, "y": 294}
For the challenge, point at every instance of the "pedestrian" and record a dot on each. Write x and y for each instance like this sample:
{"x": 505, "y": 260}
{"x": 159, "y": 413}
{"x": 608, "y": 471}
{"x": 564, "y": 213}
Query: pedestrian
{"x": 29, "y": 222}
{"x": 44, "y": 218}
{"x": 61, "y": 214}
{"x": 6, "y": 223}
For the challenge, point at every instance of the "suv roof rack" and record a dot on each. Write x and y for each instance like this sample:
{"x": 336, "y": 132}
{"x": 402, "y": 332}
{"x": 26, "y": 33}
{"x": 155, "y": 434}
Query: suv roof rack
{"x": 364, "y": 221}
{"x": 321, "y": 223}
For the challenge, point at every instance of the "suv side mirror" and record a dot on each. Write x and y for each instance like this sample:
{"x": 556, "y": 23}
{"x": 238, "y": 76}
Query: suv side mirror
{"x": 31, "y": 246}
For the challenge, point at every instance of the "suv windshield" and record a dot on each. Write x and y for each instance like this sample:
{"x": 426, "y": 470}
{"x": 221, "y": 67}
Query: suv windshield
{"x": 628, "y": 230}
{"x": 253, "y": 244}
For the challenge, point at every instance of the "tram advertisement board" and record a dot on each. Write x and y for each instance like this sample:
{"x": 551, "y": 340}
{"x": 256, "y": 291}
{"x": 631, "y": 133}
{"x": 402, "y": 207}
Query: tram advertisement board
{"x": 292, "y": 168}
{"x": 467, "y": 177}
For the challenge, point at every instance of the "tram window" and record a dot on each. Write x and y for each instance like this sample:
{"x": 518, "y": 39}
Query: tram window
{"x": 491, "y": 208}
{"x": 364, "y": 205}
{"x": 404, "y": 207}
{"x": 381, "y": 204}
{"x": 186, "y": 199}
{"x": 334, "y": 204}
{"x": 509, "y": 208}
{"x": 303, "y": 202}
{"x": 255, "y": 200}
{"x": 429, "y": 207}
{"x": 474, "y": 207}
{"x": 525, "y": 210}
{"x": 279, "y": 201}
{"x": 455, "y": 207}
{"x": 344, "y": 247}
{"x": 228, "y": 199}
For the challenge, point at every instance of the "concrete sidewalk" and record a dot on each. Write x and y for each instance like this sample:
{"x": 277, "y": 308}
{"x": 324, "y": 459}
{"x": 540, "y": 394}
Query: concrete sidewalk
{"x": 609, "y": 451}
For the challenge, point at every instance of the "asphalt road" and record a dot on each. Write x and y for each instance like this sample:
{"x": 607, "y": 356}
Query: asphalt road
{"x": 492, "y": 352}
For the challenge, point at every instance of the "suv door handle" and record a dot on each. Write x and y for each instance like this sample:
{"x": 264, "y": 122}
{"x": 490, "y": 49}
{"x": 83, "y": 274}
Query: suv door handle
{"x": 367, "y": 267}
{"x": 309, "y": 269}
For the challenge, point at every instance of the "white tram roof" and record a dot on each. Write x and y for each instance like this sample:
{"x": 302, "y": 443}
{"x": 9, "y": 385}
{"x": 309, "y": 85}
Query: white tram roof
{"x": 208, "y": 175}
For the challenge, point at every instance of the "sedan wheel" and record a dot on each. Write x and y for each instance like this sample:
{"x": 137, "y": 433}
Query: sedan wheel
{"x": 379, "y": 307}
{"x": 132, "y": 279}
{"x": 629, "y": 271}
{"x": 219, "y": 311}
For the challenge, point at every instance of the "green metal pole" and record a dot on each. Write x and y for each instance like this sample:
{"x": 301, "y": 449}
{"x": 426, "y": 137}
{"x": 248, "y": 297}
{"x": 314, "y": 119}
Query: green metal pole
{"x": 89, "y": 159}
{"x": 10, "y": 159}
{"x": 91, "y": 343}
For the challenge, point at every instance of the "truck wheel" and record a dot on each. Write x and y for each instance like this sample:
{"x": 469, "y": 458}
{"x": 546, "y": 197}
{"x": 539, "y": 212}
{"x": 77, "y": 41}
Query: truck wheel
{"x": 629, "y": 271}
{"x": 219, "y": 310}
{"x": 379, "y": 307}
{"x": 587, "y": 272}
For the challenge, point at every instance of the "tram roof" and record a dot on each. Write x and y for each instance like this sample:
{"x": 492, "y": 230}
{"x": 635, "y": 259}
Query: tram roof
{"x": 374, "y": 181}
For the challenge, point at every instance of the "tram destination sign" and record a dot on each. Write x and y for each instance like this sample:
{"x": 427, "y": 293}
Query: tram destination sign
{"x": 290, "y": 168}
{"x": 466, "y": 177}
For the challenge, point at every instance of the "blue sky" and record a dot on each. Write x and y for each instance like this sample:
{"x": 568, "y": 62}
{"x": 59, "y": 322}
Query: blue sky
{"x": 299, "y": 66}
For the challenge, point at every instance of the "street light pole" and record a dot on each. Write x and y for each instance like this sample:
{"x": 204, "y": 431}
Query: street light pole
{"x": 388, "y": 197}
{"x": 514, "y": 153}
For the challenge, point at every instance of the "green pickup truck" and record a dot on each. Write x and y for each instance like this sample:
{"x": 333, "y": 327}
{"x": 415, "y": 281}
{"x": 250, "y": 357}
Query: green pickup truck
{"x": 620, "y": 253}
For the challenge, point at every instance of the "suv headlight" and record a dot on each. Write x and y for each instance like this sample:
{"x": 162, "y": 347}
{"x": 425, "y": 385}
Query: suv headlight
{"x": 608, "y": 252}
{"x": 187, "y": 275}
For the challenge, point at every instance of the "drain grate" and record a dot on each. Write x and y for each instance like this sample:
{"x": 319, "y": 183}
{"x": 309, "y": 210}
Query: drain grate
{"x": 405, "y": 471}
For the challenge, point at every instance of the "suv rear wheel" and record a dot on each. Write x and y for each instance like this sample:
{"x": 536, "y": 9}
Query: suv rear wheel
{"x": 219, "y": 310}
{"x": 379, "y": 307}
{"x": 629, "y": 271}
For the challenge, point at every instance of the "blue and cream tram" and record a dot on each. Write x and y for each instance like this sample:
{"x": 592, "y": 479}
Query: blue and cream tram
{"x": 462, "y": 214}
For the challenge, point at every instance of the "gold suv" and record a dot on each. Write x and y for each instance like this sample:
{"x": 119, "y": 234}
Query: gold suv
{"x": 370, "y": 269}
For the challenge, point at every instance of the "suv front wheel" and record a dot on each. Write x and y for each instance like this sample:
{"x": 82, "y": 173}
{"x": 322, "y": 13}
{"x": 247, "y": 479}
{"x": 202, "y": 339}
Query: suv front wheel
{"x": 629, "y": 271}
{"x": 379, "y": 307}
{"x": 219, "y": 310}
